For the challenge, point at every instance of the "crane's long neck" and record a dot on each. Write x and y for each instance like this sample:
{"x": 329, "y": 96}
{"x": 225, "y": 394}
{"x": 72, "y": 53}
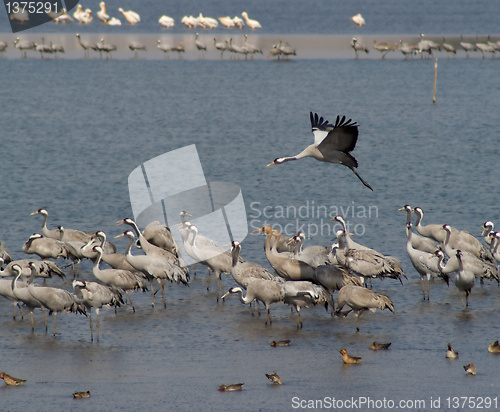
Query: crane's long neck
{"x": 128, "y": 249}
{"x": 136, "y": 228}
{"x": 97, "y": 262}
{"x": 14, "y": 281}
{"x": 418, "y": 222}
{"x": 243, "y": 299}
{"x": 340, "y": 241}
{"x": 409, "y": 234}
{"x": 446, "y": 238}
{"x": 408, "y": 216}
{"x": 45, "y": 230}
{"x": 451, "y": 266}
{"x": 342, "y": 222}
{"x": 496, "y": 240}
{"x": 235, "y": 255}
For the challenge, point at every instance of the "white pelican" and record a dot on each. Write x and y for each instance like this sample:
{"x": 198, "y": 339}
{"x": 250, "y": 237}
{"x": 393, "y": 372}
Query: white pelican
{"x": 191, "y": 22}
{"x": 238, "y": 22}
{"x": 86, "y": 17}
{"x": 358, "y": 20}
{"x": 103, "y": 16}
{"x": 64, "y": 17}
{"x": 131, "y": 16}
{"x": 78, "y": 13}
{"x": 253, "y": 24}
{"x": 227, "y": 21}
{"x": 166, "y": 21}
{"x": 113, "y": 21}
{"x": 208, "y": 22}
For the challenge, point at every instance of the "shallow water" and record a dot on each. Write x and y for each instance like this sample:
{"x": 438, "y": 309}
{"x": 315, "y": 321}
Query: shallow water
{"x": 72, "y": 131}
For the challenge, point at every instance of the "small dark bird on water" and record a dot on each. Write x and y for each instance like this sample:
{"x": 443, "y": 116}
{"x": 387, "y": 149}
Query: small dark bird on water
{"x": 274, "y": 378}
{"x": 233, "y": 387}
{"x": 348, "y": 359}
{"x": 450, "y": 353}
{"x": 81, "y": 395}
{"x": 10, "y": 380}
{"x": 280, "y": 343}
{"x": 332, "y": 144}
{"x": 379, "y": 346}
{"x": 470, "y": 369}
{"x": 494, "y": 347}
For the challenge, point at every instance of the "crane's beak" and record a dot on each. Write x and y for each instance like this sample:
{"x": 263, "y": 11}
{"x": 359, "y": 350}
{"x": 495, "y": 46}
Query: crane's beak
{"x": 258, "y": 230}
{"x": 402, "y": 208}
{"x": 120, "y": 235}
{"x": 34, "y": 213}
{"x": 120, "y": 222}
{"x": 271, "y": 164}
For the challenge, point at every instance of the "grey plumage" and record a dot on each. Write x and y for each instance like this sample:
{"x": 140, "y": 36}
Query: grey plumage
{"x": 55, "y": 300}
{"x": 422, "y": 243}
{"x": 21, "y": 292}
{"x": 95, "y": 295}
{"x": 360, "y": 299}
{"x": 86, "y": 46}
{"x": 287, "y": 268}
{"x": 265, "y": 291}
{"x": 367, "y": 263}
{"x": 45, "y": 247}
{"x": 119, "y": 279}
{"x": 304, "y": 294}
{"x": 426, "y": 264}
{"x": 154, "y": 267}
{"x": 44, "y": 269}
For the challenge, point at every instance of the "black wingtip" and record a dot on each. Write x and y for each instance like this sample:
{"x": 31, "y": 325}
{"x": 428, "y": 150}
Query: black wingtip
{"x": 318, "y": 122}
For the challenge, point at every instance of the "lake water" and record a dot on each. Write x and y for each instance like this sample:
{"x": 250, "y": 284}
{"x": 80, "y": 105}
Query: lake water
{"x": 72, "y": 130}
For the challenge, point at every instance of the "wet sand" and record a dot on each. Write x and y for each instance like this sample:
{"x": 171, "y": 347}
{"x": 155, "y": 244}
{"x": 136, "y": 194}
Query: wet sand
{"x": 306, "y": 46}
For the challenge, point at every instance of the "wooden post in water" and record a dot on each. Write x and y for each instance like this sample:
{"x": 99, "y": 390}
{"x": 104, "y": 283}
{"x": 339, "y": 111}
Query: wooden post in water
{"x": 435, "y": 80}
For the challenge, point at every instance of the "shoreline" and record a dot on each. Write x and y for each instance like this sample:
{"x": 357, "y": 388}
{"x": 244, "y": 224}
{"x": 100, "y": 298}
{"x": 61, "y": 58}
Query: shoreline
{"x": 307, "y": 46}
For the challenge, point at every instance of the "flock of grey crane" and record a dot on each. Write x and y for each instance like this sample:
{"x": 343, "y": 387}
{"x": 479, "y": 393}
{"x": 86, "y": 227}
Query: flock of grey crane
{"x": 106, "y": 49}
{"x": 427, "y": 47}
{"x": 301, "y": 277}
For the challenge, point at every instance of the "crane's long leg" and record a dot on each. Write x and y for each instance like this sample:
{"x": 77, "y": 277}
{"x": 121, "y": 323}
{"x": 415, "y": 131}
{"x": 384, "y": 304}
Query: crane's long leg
{"x": 152, "y": 293}
{"x": 360, "y": 178}
{"x": 16, "y": 305}
{"x": 268, "y": 316}
{"x": 131, "y": 301}
{"x": 91, "y": 325}
{"x": 428, "y": 286}
{"x": 162, "y": 288}
{"x": 55, "y": 322}
{"x": 32, "y": 321}
{"x": 217, "y": 280}
{"x": 97, "y": 315}
{"x": 423, "y": 286}
{"x": 208, "y": 278}
{"x": 45, "y": 320}
{"x": 299, "y": 319}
